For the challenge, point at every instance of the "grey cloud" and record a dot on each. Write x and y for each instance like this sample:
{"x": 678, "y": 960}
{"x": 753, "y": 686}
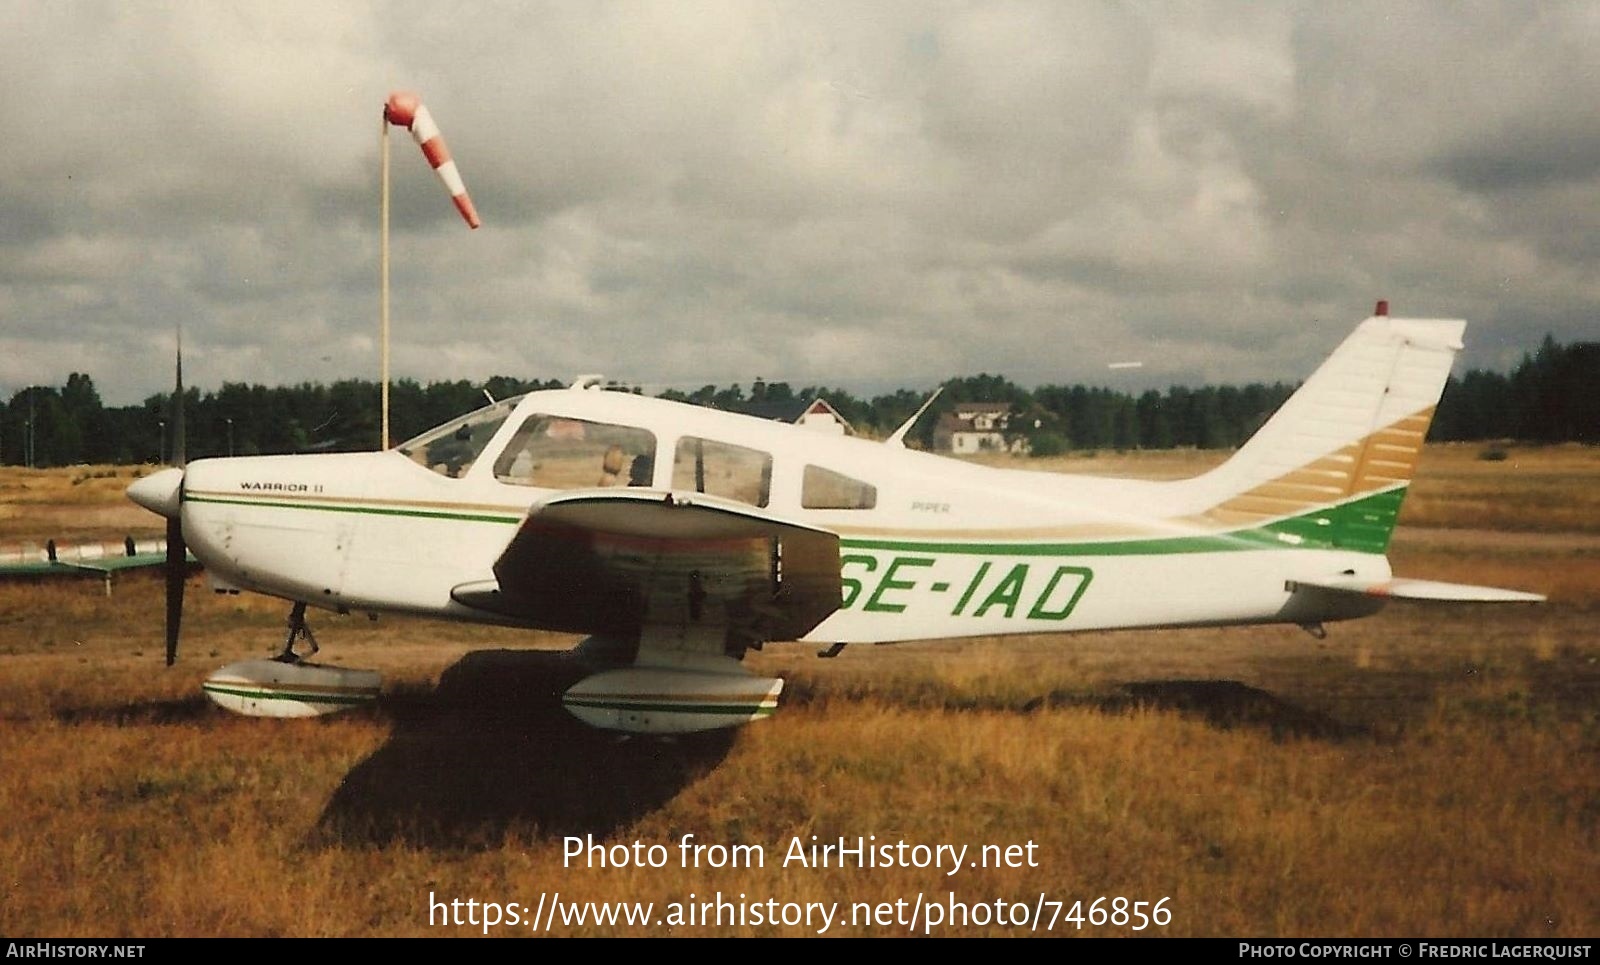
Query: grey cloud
{"x": 871, "y": 195}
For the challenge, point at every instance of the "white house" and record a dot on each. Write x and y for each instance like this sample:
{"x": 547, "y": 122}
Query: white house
{"x": 976, "y": 427}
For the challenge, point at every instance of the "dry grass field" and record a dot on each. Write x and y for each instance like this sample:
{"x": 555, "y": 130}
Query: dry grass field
{"x": 1425, "y": 771}
{"x": 84, "y": 503}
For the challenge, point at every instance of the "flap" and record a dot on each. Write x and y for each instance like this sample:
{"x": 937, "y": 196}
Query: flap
{"x": 611, "y": 561}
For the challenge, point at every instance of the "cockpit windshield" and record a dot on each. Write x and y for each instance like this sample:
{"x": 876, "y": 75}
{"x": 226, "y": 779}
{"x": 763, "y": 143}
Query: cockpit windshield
{"x": 451, "y": 449}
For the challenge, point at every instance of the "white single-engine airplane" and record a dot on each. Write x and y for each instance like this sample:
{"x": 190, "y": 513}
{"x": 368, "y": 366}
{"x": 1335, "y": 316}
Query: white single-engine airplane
{"x": 685, "y": 535}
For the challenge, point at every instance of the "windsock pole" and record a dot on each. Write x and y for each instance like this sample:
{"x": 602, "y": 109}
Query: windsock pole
{"x": 406, "y": 109}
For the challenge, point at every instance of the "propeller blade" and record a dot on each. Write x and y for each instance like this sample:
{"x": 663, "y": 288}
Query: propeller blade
{"x": 180, "y": 454}
{"x": 177, "y": 575}
{"x": 177, "y": 565}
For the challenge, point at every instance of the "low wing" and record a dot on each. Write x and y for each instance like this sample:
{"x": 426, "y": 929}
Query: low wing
{"x": 1407, "y": 589}
{"x": 615, "y": 561}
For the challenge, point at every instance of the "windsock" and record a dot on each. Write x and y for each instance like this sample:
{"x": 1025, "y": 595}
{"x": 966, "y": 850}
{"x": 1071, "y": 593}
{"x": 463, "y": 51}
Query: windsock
{"x": 405, "y": 109}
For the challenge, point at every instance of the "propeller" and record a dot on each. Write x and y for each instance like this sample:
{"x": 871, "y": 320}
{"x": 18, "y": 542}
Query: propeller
{"x": 177, "y": 553}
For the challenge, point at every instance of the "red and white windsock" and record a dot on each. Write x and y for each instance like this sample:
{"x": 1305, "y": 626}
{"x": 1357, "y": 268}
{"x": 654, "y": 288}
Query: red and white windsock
{"x": 405, "y": 109}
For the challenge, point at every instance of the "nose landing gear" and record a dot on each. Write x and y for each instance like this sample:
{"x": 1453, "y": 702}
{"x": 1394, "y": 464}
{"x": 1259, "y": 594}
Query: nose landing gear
{"x": 298, "y": 629}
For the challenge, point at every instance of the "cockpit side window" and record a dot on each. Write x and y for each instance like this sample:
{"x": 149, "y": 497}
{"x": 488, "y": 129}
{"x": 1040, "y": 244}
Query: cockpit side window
{"x": 825, "y": 489}
{"x": 451, "y": 449}
{"x": 555, "y": 452}
{"x": 723, "y": 469}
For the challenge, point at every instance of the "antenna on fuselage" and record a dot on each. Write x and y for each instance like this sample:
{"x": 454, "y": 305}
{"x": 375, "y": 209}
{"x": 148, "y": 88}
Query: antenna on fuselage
{"x": 899, "y": 436}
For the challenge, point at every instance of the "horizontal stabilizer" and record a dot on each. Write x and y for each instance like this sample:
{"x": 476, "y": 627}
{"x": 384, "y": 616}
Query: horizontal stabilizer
{"x": 1404, "y": 589}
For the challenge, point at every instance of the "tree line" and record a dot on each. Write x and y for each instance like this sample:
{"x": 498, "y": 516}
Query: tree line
{"x": 49, "y": 426}
{"x": 1551, "y": 396}
{"x": 1548, "y": 397}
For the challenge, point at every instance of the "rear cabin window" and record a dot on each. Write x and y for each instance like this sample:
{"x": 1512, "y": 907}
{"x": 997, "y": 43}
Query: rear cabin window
{"x": 722, "y": 469}
{"x": 825, "y": 489}
{"x": 554, "y": 452}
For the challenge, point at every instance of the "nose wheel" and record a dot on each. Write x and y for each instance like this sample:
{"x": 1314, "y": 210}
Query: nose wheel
{"x": 298, "y": 630}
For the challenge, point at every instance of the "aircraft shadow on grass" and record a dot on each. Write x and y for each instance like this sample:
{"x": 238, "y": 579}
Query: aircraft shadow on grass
{"x": 1224, "y": 704}
{"x": 521, "y": 696}
{"x": 183, "y": 710}
{"x": 491, "y": 750}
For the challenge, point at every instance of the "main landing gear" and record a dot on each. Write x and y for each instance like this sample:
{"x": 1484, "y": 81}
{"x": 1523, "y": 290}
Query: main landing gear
{"x": 298, "y": 629}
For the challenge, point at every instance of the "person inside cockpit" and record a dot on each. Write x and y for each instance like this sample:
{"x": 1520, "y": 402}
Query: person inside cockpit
{"x": 639, "y": 471}
{"x": 611, "y": 467}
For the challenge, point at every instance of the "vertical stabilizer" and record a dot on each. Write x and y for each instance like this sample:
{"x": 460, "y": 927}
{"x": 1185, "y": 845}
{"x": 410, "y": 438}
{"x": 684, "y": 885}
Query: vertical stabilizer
{"x": 1335, "y": 460}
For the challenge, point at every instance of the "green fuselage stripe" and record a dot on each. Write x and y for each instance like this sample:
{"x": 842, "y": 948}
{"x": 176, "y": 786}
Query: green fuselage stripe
{"x": 455, "y": 515}
{"x": 1363, "y": 524}
{"x": 1217, "y": 543}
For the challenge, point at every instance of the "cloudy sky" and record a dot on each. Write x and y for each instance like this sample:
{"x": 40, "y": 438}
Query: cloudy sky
{"x": 870, "y": 195}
